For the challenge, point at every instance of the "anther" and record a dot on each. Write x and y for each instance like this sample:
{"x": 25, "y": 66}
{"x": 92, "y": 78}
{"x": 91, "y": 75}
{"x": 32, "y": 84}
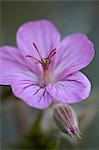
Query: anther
{"x": 43, "y": 61}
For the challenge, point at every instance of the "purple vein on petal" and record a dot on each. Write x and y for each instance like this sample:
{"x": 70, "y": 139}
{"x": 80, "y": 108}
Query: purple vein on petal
{"x": 37, "y": 91}
{"x": 42, "y": 95}
{"x": 29, "y": 86}
{"x": 73, "y": 81}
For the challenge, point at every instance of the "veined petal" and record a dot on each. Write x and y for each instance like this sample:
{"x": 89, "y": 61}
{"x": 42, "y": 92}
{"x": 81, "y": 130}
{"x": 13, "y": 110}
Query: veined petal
{"x": 74, "y": 88}
{"x": 43, "y": 33}
{"x": 11, "y": 62}
{"x": 74, "y": 53}
{"x": 31, "y": 92}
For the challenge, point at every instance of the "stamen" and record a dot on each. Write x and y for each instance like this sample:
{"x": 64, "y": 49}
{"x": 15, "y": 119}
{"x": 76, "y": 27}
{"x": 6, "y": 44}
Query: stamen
{"x": 37, "y": 50}
{"x": 37, "y": 61}
{"x": 52, "y": 53}
{"x": 43, "y": 61}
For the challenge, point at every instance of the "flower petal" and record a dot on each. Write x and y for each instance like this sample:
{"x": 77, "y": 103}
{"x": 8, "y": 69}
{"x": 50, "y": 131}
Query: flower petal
{"x": 76, "y": 87}
{"x": 30, "y": 92}
{"x": 75, "y": 52}
{"x": 43, "y": 33}
{"x": 11, "y": 62}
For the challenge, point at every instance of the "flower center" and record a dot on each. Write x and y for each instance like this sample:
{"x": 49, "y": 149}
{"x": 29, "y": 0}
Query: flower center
{"x": 45, "y": 62}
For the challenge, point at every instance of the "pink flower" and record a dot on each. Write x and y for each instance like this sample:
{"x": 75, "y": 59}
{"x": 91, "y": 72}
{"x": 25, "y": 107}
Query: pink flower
{"x": 43, "y": 68}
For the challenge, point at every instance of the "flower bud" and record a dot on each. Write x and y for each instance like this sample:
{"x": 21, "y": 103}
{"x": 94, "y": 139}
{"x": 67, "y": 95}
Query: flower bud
{"x": 66, "y": 120}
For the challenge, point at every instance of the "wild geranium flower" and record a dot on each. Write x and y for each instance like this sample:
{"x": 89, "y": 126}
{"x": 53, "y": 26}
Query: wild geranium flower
{"x": 43, "y": 68}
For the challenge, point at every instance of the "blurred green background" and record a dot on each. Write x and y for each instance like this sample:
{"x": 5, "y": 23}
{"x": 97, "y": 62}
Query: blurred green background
{"x": 69, "y": 17}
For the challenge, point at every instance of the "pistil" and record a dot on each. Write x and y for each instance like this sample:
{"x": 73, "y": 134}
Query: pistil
{"x": 45, "y": 62}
